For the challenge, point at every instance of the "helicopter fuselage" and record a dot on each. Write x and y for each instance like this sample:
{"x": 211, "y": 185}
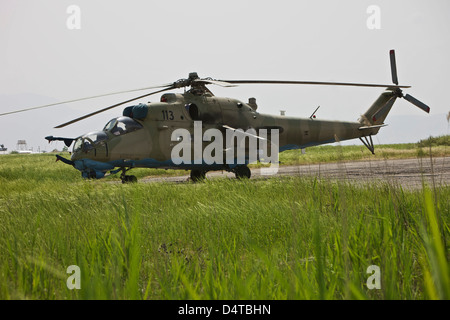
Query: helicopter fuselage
{"x": 145, "y": 135}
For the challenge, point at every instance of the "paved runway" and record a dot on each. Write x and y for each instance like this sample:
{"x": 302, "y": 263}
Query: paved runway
{"x": 409, "y": 173}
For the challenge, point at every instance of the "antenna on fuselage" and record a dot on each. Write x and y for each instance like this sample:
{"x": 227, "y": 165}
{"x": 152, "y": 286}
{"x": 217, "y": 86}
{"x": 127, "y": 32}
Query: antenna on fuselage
{"x": 313, "y": 116}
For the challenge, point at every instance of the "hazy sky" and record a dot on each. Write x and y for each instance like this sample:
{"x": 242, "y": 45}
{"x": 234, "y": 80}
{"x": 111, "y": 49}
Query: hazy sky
{"x": 133, "y": 44}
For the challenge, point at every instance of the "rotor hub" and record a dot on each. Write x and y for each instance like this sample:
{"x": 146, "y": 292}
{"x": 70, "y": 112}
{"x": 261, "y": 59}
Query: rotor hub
{"x": 398, "y": 93}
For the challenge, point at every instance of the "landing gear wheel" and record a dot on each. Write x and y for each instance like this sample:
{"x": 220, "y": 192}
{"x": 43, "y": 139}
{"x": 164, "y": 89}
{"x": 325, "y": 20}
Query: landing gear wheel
{"x": 198, "y": 175}
{"x": 242, "y": 172}
{"x": 125, "y": 178}
{"x": 129, "y": 179}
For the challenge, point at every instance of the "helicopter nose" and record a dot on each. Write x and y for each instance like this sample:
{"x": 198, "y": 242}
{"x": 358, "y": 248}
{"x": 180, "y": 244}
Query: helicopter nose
{"x": 90, "y": 145}
{"x": 76, "y": 155}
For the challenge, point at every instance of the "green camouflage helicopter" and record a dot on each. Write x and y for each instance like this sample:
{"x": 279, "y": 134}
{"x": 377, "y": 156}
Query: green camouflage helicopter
{"x": 172, "y": 133}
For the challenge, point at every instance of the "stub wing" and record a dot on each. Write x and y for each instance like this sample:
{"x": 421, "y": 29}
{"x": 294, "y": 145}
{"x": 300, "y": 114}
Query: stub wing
{"x": 67, "y": 141}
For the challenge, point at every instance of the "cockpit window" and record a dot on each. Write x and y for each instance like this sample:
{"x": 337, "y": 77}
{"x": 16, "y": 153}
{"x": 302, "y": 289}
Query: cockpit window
{"x": 89, "y": 141}
{"x": 78, "y": 144}
{"x": 122, "y": 125}
{"x": 110, "y": 124}
{"x": 96, "y": 137}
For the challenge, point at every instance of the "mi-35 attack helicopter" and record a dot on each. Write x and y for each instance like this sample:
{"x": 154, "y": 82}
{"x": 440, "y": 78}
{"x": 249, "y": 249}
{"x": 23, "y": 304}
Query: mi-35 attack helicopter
{"x": 143, "y": 137}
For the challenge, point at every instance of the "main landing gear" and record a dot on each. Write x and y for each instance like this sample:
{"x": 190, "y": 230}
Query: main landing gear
{"x": 198, "y": 175}
{"x": 127, "y": 179}
{"x": 241, "y": 172}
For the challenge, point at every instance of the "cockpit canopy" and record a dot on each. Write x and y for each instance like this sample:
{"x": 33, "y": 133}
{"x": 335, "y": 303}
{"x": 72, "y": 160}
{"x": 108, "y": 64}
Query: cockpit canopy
{"x": 117, "y": 126}
{"x": 122, "y": 125}
{"x": 90, "y": 141}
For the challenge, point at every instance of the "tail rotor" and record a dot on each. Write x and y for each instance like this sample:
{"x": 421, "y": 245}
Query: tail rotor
{"x": 417, "y": 103}
{"x": 398, "y": 92}
{"x": 393, "y": 67}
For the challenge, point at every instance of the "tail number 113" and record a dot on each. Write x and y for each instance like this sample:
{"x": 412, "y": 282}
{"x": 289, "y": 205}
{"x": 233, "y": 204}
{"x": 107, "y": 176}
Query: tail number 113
{"x": 167, "y": 115}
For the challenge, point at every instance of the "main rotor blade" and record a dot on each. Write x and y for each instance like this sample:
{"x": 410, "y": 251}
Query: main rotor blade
{"x": 313, "y": 83}
{"x": 216, "y": 82}
{"x": 110, "y": 107}
{"x": 393, "y": 67}
{"x": 417, "y": 103}
{"x": 81, "y": 99}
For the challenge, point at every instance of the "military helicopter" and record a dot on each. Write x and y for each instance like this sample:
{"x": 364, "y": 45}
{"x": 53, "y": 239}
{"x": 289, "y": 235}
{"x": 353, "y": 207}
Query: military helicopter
{"x": 145, "y": 135}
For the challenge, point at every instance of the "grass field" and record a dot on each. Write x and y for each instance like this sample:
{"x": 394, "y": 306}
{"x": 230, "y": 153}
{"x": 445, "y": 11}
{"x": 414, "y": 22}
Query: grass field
{"x": 281, "y": 238}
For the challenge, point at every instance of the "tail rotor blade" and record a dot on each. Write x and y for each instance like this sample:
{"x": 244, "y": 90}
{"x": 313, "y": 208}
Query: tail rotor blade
{"x": 417, "y": 103}
{"x": 393, "y": 67}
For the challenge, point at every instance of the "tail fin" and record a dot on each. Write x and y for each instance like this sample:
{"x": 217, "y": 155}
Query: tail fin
{"x": 379, "y": 110}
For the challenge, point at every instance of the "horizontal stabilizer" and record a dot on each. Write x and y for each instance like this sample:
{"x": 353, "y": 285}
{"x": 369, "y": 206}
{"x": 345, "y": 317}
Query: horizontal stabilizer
{"x": 372, "y": 127}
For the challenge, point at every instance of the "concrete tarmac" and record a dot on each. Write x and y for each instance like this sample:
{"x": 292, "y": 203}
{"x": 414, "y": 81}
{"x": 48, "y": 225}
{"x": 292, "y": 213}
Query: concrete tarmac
{"x": 407, "y": 173}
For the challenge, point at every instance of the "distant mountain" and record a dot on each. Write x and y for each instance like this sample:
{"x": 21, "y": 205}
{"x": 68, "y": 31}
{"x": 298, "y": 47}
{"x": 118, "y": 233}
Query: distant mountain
{"x": 409, "y": 129}
{"x": 406, "y": 129}
{"x": 33, "y": 126}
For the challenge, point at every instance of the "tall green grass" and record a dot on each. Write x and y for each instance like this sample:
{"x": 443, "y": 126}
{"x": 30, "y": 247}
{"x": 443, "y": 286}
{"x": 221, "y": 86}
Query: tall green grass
{"x": 329, "y": 153}
{"x": 435, "y": 141}
{"x": 281, "y": 238}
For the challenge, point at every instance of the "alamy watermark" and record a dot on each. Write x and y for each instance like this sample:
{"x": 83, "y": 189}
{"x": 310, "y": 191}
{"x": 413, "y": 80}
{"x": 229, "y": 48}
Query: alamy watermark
{"x": 231, "y": 149}
{"x": 73, "y": 21}
{"x": 74, "y": 280}
{"x": 373, "y": 22}
{"x": 374, "y": 281}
